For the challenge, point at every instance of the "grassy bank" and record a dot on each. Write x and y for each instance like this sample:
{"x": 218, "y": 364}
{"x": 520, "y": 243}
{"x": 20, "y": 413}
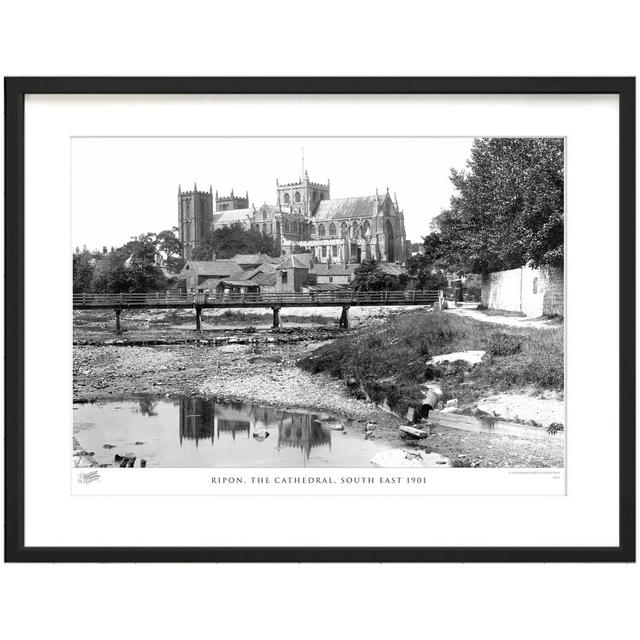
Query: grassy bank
{"x": 390, "y": 360}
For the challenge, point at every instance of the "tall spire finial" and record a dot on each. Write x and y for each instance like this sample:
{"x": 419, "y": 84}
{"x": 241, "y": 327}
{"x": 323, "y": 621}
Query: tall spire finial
{"x": 195, "y": 186}
{"x": 302, "y": 174}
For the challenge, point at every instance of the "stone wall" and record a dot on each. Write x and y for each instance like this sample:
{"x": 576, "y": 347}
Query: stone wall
{"x": 534, "y": 292}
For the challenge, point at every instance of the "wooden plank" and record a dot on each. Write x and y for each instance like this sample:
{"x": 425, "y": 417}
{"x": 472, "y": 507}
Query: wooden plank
{"x": 487, "y": 425}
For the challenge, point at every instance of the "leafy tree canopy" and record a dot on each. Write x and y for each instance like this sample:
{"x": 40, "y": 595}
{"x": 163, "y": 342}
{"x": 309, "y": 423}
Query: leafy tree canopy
{"x": 369, "y": 276}
{"x": 508, "y": 210}
{"x": 423, "y": 268}
{"x": 130, "y": 268}
{"x": 169, "y": 245}
{"x": 228, "y": 241}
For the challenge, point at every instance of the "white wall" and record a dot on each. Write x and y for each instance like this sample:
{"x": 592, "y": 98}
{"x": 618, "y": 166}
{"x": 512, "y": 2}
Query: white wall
{"x": 534, "y": 292}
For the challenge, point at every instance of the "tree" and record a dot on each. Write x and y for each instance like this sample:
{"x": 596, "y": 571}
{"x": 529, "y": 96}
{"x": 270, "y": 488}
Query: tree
{"x": 369, "y": 276}
{"x": 226, "y": 242}
{"x": 168, "y": 243}
{"x": 130, "y": 269}
{"x": 427, "y": 275}
{"x": 509, "y": 207}
{"x": 83, "y": 268}
{"x": 110, "y": 274}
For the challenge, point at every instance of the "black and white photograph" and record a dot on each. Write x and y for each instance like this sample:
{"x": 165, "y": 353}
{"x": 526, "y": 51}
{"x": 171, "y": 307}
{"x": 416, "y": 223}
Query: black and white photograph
{"x": 303, "y": 302}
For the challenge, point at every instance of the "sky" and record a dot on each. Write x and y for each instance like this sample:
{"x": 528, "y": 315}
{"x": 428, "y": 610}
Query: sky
{"x": 123, "y": 187}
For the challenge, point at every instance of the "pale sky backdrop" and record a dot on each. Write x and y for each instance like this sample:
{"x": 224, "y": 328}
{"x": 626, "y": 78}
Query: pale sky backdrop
{"x": 123, "y": 187}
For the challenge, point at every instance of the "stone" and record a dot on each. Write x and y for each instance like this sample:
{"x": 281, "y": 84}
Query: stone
{"x": 413, "y": 431}
{"x": 471, "y": 357}
{"x": 452, "y": 403}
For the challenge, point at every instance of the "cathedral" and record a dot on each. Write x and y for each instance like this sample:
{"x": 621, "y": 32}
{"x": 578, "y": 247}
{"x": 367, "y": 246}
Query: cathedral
{"x": 304, "y": 218}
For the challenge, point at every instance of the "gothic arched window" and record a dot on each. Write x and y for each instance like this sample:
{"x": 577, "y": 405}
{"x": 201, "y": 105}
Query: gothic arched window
{"x": 332, "y": 229}
{"x": 344, "y": 230}
{"x": 321, "y": 230}
{"x": 296, "y": 197}
{"x": 313, "y": 229}
{"x": 264, "y": 215}
{"x": 354, "y": 230}
{"x": 287, "y": 198}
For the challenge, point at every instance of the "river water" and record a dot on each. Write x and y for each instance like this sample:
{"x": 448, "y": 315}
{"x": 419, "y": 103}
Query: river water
{"x": 200, "y": 432}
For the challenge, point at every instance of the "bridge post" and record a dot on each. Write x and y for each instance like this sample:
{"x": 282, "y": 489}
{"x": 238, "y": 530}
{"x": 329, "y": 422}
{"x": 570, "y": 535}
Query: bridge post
{"x": 118, "y": 327}
{"x": 276, "y": 317}
{"x": 344, "y": 318}
{"x": 198, "y": 319}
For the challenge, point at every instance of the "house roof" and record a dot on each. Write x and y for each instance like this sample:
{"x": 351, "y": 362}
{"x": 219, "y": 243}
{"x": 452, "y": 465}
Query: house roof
{"x": 254, "y": 259}
{"x": 238, "y": 283}
{"x": 212, "y": 268}
{"x": 265, "y": 279}
{"x": 392, "y": 269}
{"x": 359, "y": 207}
{"x": 293, "y": 261}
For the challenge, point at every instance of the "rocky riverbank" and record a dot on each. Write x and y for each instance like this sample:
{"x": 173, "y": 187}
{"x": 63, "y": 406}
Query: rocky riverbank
{"x": 266, "y": 373}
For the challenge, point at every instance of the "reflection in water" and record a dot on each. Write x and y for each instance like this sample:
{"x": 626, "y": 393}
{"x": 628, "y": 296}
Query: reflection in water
{"x": 204, "y": 419}
{"x": 147, "y": 406}
{"x": 214, "y": 433}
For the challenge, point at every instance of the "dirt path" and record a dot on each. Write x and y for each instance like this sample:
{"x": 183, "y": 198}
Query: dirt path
{"x": 509, "y": 321}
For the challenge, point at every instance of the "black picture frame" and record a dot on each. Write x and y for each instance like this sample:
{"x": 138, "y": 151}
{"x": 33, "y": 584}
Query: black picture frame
{"x": 15, "y": 91}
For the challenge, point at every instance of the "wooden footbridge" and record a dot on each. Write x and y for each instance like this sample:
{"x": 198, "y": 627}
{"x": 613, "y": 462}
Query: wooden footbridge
{"x": 274, "y": 300}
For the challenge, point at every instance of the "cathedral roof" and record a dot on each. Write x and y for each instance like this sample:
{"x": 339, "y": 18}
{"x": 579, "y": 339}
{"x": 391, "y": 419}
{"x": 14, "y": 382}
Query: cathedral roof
{"x": 360, "y": 207}
{"x": 233, "y": 215}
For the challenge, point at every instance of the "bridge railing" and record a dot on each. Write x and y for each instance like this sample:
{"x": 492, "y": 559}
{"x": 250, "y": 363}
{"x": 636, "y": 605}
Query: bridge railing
{"x": 339, "y": 297}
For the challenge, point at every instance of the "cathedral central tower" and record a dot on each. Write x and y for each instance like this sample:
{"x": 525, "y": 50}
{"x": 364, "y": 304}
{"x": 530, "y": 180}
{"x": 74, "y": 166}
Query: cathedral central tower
{"x": 302, "y": 197}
